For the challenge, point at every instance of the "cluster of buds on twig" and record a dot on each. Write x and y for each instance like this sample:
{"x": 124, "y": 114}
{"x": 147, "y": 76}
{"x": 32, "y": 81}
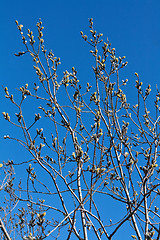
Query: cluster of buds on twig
{"x": 31, "y": 173}
{"x": 6, "y": 116}
{"x": 31, "y": 37}
{"x": 83, "y": 36}
{"x": 20, "y": 26}
{"x": 40, "y": 33}
{"x": 148, "y": 90}
{"x": 125, "y": 128}
{"x": 93, "y": 97}
{"x": 66, "y": 79}
{"x": 138, "y": 84}
{"x": 121, "y": 96}
{"x": 94, "y": 34}
{"x": 8, "y": 95}
{"x": 37, "y": 117}
{"x": 41, "y": 218}
{"x": 25, "y": 91}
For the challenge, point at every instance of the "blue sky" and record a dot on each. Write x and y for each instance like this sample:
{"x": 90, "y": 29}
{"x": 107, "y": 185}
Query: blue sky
{"x": 132, "y": 26}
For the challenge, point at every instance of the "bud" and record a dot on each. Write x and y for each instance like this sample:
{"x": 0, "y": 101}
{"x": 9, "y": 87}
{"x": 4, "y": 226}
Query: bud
{"x": 136, "y": 74}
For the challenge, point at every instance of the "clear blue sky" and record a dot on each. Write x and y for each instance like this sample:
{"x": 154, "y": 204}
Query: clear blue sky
{"x": 132, "y": 26}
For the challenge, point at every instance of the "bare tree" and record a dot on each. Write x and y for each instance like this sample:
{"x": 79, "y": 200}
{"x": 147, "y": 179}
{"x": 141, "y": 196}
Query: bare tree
{"x": 88, "y": 146}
